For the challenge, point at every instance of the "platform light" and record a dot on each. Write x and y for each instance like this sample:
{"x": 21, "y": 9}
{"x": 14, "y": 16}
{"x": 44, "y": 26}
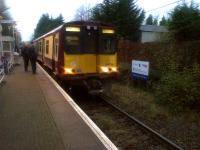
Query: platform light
{"x": 73, "y": 29}
{"x": 108, "y": 31}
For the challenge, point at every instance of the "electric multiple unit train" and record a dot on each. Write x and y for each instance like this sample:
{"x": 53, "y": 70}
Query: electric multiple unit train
{"x": 82, "y": 51}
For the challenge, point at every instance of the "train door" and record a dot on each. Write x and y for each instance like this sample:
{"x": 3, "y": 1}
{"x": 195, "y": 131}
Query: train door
{"x": 90, "y": 48}
{"x": 107, "y": 56}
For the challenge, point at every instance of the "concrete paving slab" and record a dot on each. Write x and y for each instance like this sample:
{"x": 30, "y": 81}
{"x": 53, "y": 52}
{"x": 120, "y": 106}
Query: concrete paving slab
{"x": 34, "y": 114}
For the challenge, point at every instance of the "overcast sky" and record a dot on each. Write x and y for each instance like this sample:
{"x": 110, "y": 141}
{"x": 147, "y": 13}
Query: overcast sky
{"x": 28, "y": 12}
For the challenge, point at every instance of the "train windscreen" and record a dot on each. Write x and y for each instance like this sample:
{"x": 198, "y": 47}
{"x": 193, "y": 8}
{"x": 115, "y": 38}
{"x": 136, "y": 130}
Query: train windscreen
{"x": 72, "y": 40}
{"x": 90, "y": 40}
{"x": 108, "y": 45}
{"x": 72, "y": 44}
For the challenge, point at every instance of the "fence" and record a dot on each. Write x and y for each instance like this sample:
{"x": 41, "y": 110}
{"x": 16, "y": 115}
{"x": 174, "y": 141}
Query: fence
{"x": 186, "y": 53}
{"x": 6, "y": 63}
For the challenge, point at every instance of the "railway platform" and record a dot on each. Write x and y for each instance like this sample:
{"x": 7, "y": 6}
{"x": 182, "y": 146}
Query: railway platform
{"x": 36, "y": 114}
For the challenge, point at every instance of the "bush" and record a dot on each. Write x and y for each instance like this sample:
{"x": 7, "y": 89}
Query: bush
{"x": 180, "y": 89}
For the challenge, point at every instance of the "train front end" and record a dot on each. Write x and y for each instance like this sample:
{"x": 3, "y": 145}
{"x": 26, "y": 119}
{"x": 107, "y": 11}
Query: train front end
{"x": 89, "y": 54}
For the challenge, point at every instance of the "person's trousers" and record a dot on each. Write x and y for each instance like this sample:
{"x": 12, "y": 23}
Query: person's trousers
{"x": 33, "y": 65}
{"x": 26, "y": 61}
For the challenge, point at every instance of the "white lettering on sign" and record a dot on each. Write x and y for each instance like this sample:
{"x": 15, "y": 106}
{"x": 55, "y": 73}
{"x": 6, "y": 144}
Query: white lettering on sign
{"x": 140, "y": 67}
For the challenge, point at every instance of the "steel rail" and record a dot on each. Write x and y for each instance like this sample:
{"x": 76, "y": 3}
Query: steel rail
{"x": 165, "y": 140}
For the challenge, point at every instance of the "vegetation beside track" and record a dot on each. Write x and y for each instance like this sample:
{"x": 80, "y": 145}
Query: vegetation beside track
{"x": 125, "y": 134}
{"x": 182, "y": 127}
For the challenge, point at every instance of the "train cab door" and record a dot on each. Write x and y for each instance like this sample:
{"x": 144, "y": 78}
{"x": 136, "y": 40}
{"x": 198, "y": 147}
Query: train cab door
{"x": 107, "y": 55}
{"x": 90, "y": 48}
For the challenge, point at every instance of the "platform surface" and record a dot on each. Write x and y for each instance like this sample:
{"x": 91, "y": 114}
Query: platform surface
{"x": 34, "y": 115}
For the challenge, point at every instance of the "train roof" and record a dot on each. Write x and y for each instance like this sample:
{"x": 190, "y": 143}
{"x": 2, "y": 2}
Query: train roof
{"x": 92, "y": 23}
{"x": 89, "y": 23}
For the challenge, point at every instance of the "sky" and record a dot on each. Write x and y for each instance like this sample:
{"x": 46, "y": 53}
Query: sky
{"x": 27, "y": 13}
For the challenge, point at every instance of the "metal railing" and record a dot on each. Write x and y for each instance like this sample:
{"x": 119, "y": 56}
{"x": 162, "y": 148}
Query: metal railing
{"x": 6, "y": 65}
{"x": 2, "y": 73}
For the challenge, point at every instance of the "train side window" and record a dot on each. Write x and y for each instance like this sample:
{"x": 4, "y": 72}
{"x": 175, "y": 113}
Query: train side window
{"x": 47, "y": 47}
{"x": 72, "y": 43}
{"x": 40, "y": 47}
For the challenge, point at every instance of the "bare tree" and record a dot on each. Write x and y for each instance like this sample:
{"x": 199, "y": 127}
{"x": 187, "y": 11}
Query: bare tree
{"x": 83, "y": 13}
{"x": 4, "y": 14}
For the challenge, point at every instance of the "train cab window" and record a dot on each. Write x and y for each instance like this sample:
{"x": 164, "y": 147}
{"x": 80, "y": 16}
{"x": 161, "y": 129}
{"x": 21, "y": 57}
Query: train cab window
{"x": 47, "y": 47}
{"x": 72, "y": 44}
{"x": 90, "y": 40}
{"x": 108, "y": 45}
{"x": 108, "y": 41}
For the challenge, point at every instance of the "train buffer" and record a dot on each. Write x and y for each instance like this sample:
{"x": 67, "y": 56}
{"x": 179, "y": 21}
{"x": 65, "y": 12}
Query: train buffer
{"x": 35, "y": 113}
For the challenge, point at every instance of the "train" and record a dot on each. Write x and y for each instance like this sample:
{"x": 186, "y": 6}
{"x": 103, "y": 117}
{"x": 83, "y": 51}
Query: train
{"x": 80, "y": 52}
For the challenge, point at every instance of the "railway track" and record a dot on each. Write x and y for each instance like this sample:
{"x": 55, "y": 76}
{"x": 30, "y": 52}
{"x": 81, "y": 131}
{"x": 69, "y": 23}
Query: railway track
{"x": 168, "y": 144}
{"x": 164, "y": 140}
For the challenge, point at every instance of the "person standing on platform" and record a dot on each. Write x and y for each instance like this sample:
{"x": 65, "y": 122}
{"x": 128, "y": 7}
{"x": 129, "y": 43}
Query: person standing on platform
{"x": 33, "y": 57}
{"x": 25, "y": 55}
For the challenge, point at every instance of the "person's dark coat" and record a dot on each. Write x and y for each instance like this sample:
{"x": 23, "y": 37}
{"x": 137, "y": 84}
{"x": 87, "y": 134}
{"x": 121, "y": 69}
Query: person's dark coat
{"x": 32, "y": 53}
{"x": 25, "y": 55}
{"x": 33, "y": 58}
{"x": 25, "y": 51}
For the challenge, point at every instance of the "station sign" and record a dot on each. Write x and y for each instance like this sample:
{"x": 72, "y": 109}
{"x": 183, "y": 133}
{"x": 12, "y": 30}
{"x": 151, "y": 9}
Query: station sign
{"x": 140, "y": 69}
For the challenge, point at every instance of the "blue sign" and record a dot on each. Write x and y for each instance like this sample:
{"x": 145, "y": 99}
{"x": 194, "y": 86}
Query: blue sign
{"x": 140, "y": 69}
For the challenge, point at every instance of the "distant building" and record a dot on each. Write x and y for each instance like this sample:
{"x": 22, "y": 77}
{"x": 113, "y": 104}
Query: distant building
{"x": 152, "y": 33}
{"x": 8, "y": 43}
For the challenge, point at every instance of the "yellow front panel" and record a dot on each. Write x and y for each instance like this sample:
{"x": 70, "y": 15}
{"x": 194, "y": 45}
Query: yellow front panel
{"x": 85, "y": 63}
{"x": 107, "y": 63}
{"x": 107, "y": 60}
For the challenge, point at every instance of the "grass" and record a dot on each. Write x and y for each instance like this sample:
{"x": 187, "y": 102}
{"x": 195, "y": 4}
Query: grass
{"x": 181, "y": 127}
{"x": 105, "y": 122}
{"x": 135, "y": 99}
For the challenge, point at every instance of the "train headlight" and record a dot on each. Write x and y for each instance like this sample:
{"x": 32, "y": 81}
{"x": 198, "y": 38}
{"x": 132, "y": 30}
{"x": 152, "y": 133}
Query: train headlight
{"x": 105, "y": 69}
{"x": 114, "y": 69}
{"x": 69, "y": 71}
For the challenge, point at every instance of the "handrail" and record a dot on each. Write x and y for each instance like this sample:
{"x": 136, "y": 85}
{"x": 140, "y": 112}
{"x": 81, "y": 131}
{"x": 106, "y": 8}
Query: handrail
{"x": 2, "y": 74}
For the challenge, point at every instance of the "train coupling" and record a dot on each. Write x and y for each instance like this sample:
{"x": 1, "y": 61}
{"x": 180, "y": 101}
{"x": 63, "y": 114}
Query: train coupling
{"x": 93, "y": 86}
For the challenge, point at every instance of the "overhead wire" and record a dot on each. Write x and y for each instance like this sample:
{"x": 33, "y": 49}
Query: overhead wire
{"x": 164, "y": 6}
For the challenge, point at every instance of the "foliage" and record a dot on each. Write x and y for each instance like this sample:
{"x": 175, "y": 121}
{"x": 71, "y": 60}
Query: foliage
{"x": 5, "y": 15}
{"x": 46, "y": 24}
{"x": 179, "y": 83}
{"x": 151, "y": 20}
{"x": 180, "y": 89}
{"x": 83, "y": 13}
{"x": 184, "y": 22}
{"x": 174, "y": 71}
{"x": 124, "y": 14}
{"x": 155, "y": 21}
{"x": 163, "y": 21}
